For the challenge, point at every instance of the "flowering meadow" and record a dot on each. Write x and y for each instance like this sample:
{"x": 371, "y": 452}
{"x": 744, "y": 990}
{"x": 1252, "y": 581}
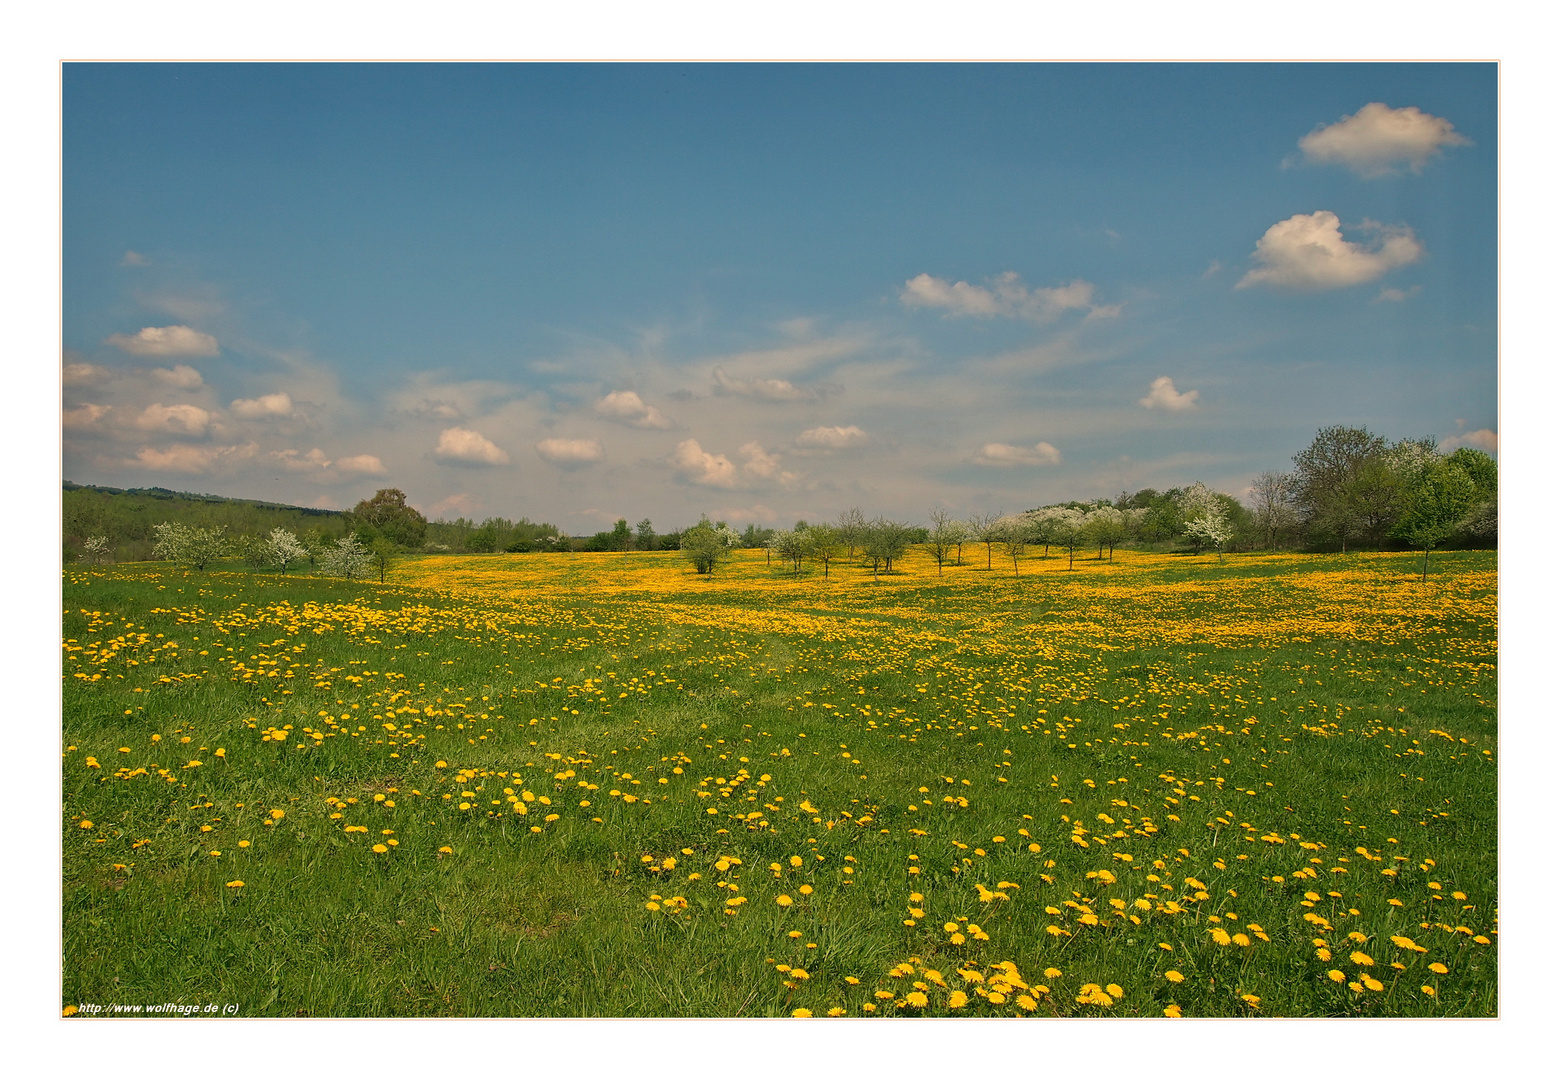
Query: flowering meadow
{"x": 604, "y": 785}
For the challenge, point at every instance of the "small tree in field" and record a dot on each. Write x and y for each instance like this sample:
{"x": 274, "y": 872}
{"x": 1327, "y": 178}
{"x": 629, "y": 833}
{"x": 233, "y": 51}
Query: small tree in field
{"x": 95, "y": 549}
{"x": 348, "y": 559}
{"x": 1107, "y": 527}
{"x": 706, "y": 544}
{"x": 1013, "y": 535}
{"x": 1437, "y": 502}
{"x": 1273, "y": 510}
{"x": 1211, "y": 528}
{"x": 984, "y": 529}
{"x": 946, "y": 534}
{"x": 851, "y": 528}
{"x": 381, "y": 553}
{"x": 193, "y": 547}
{"x": 791, "y": 546}
{"x": 283, "y": 547}
{"x": 1066, "y": 528}
{"x": 644, "y": 536}
{"x": 822, "y": 543}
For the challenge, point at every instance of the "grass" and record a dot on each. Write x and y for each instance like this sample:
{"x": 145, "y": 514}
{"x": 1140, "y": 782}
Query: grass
{"x": 1093, "y": 777}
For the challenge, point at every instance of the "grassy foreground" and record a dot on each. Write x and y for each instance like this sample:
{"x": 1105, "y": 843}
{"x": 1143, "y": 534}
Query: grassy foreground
{"x": 598, "y": 785}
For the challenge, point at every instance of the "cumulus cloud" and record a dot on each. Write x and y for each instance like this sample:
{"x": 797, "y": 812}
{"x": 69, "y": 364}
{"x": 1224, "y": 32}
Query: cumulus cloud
{"x": 1003, "y": 455}
{"x": 80, "y": 374}
{"x": 363, "y": 464}
{"x": 314, "y": 461}
{"x": 1482, "y": 439}
{"x": 265, "y": 407}
{"x": 166, "y": 341}
{"x": 701, "y": 467}
{"x": 181, "y": 376}
{"x": 759, "y": 464}
{"x": 462, "y": 446}
{"x": 831, "y": 438}
{"x": 1308, "y": 252}
{"x": 1162, "y": 395}
{"x": 1005, "y": 295}
{"x": 761, "y": 389}
{"x": 1377, "y": 140}
{"x": 191, "y": 459}
{"x": 627, "y": 407}
{"x": 83, "y": 416}
{"x": 570, "y": 451}
{"x": 174, "y": 419}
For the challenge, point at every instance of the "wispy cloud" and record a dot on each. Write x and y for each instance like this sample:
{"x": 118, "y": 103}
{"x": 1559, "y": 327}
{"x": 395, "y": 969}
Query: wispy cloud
{"x": 1004, "y": 295}
{"x": 761, "y": 389}
{"x": 570, "y": 451}
{"x": 831, "y": 438}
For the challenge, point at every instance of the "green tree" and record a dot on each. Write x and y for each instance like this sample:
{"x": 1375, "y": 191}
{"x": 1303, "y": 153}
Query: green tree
{"x": 621, "y": 536}
{"x": 1328, "y": 490}
{"x": 388, "y": 515}
{"x": 381, "y": 554}
{"x": 644, "y": 535}
{"x": 706, "y": 545}
{"x": 1436, "y": 503}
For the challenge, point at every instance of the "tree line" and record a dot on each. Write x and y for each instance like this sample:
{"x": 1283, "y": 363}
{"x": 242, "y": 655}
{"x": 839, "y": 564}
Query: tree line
{"x": 1348, "y": 487}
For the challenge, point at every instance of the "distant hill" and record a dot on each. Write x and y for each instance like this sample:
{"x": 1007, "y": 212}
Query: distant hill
{"x": 126, "y": 517}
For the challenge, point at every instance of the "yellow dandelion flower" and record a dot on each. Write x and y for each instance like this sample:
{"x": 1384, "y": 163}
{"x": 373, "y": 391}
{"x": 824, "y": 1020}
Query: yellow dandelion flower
{"x": 1335, "y": 975}
{"x": 1175, "y": 976}
{"x": 784, "y": 900}
{"x": 1439, "y": 968}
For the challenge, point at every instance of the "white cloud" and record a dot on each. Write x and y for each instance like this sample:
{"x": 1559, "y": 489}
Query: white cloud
{"x": 365, "y": 464}
{"x": 82, "y": 374}
{"x": 314, "y": 461}
{"x": 762, "y": 465}
{"x": 1162, "y": 395}
{"x": 570, "y": 451}
{"x": 831, "y": 438}
{"x": 461, "y": 502}
{"x": 83, "y": 416}
{"x": 317, "y": 463}
{"x": 134, "y": 258}
{"x": 1003, "y": 455}
{"x": 1482, "y": 439}
{"x": 1006, "y": 295}
{"x": 175, "y": 419}
{"x": 1308, "y": 252}
{"x": 1377, "y": 139}
{"x": 191, "y": 459}
{"x": 462, "y": 446}
{"x": 265, "y": 407}
{"x": 628, "y": 407}
{"x": 701, "y": 467}
{"x": 166, "y": 341}
{"x": 761, "y": 389}
{"x": 180, "y": 375}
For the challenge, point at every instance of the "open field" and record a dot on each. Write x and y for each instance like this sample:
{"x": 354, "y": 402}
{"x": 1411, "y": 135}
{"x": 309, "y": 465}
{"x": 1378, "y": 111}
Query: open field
{"x": 600, "y": 785}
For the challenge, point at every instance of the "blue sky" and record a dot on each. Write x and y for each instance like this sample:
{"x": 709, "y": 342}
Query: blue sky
{"x": 579, "y": 292}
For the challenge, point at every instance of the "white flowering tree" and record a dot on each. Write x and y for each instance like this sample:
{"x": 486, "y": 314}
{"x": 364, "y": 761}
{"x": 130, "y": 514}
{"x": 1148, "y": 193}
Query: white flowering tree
{"x": 95, "y": 549}
{"x": 348, "y": 559}
{"x": 193, "y": 547}
{"x": 1064, "y": 526}
{"x": 282, "y": 547}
